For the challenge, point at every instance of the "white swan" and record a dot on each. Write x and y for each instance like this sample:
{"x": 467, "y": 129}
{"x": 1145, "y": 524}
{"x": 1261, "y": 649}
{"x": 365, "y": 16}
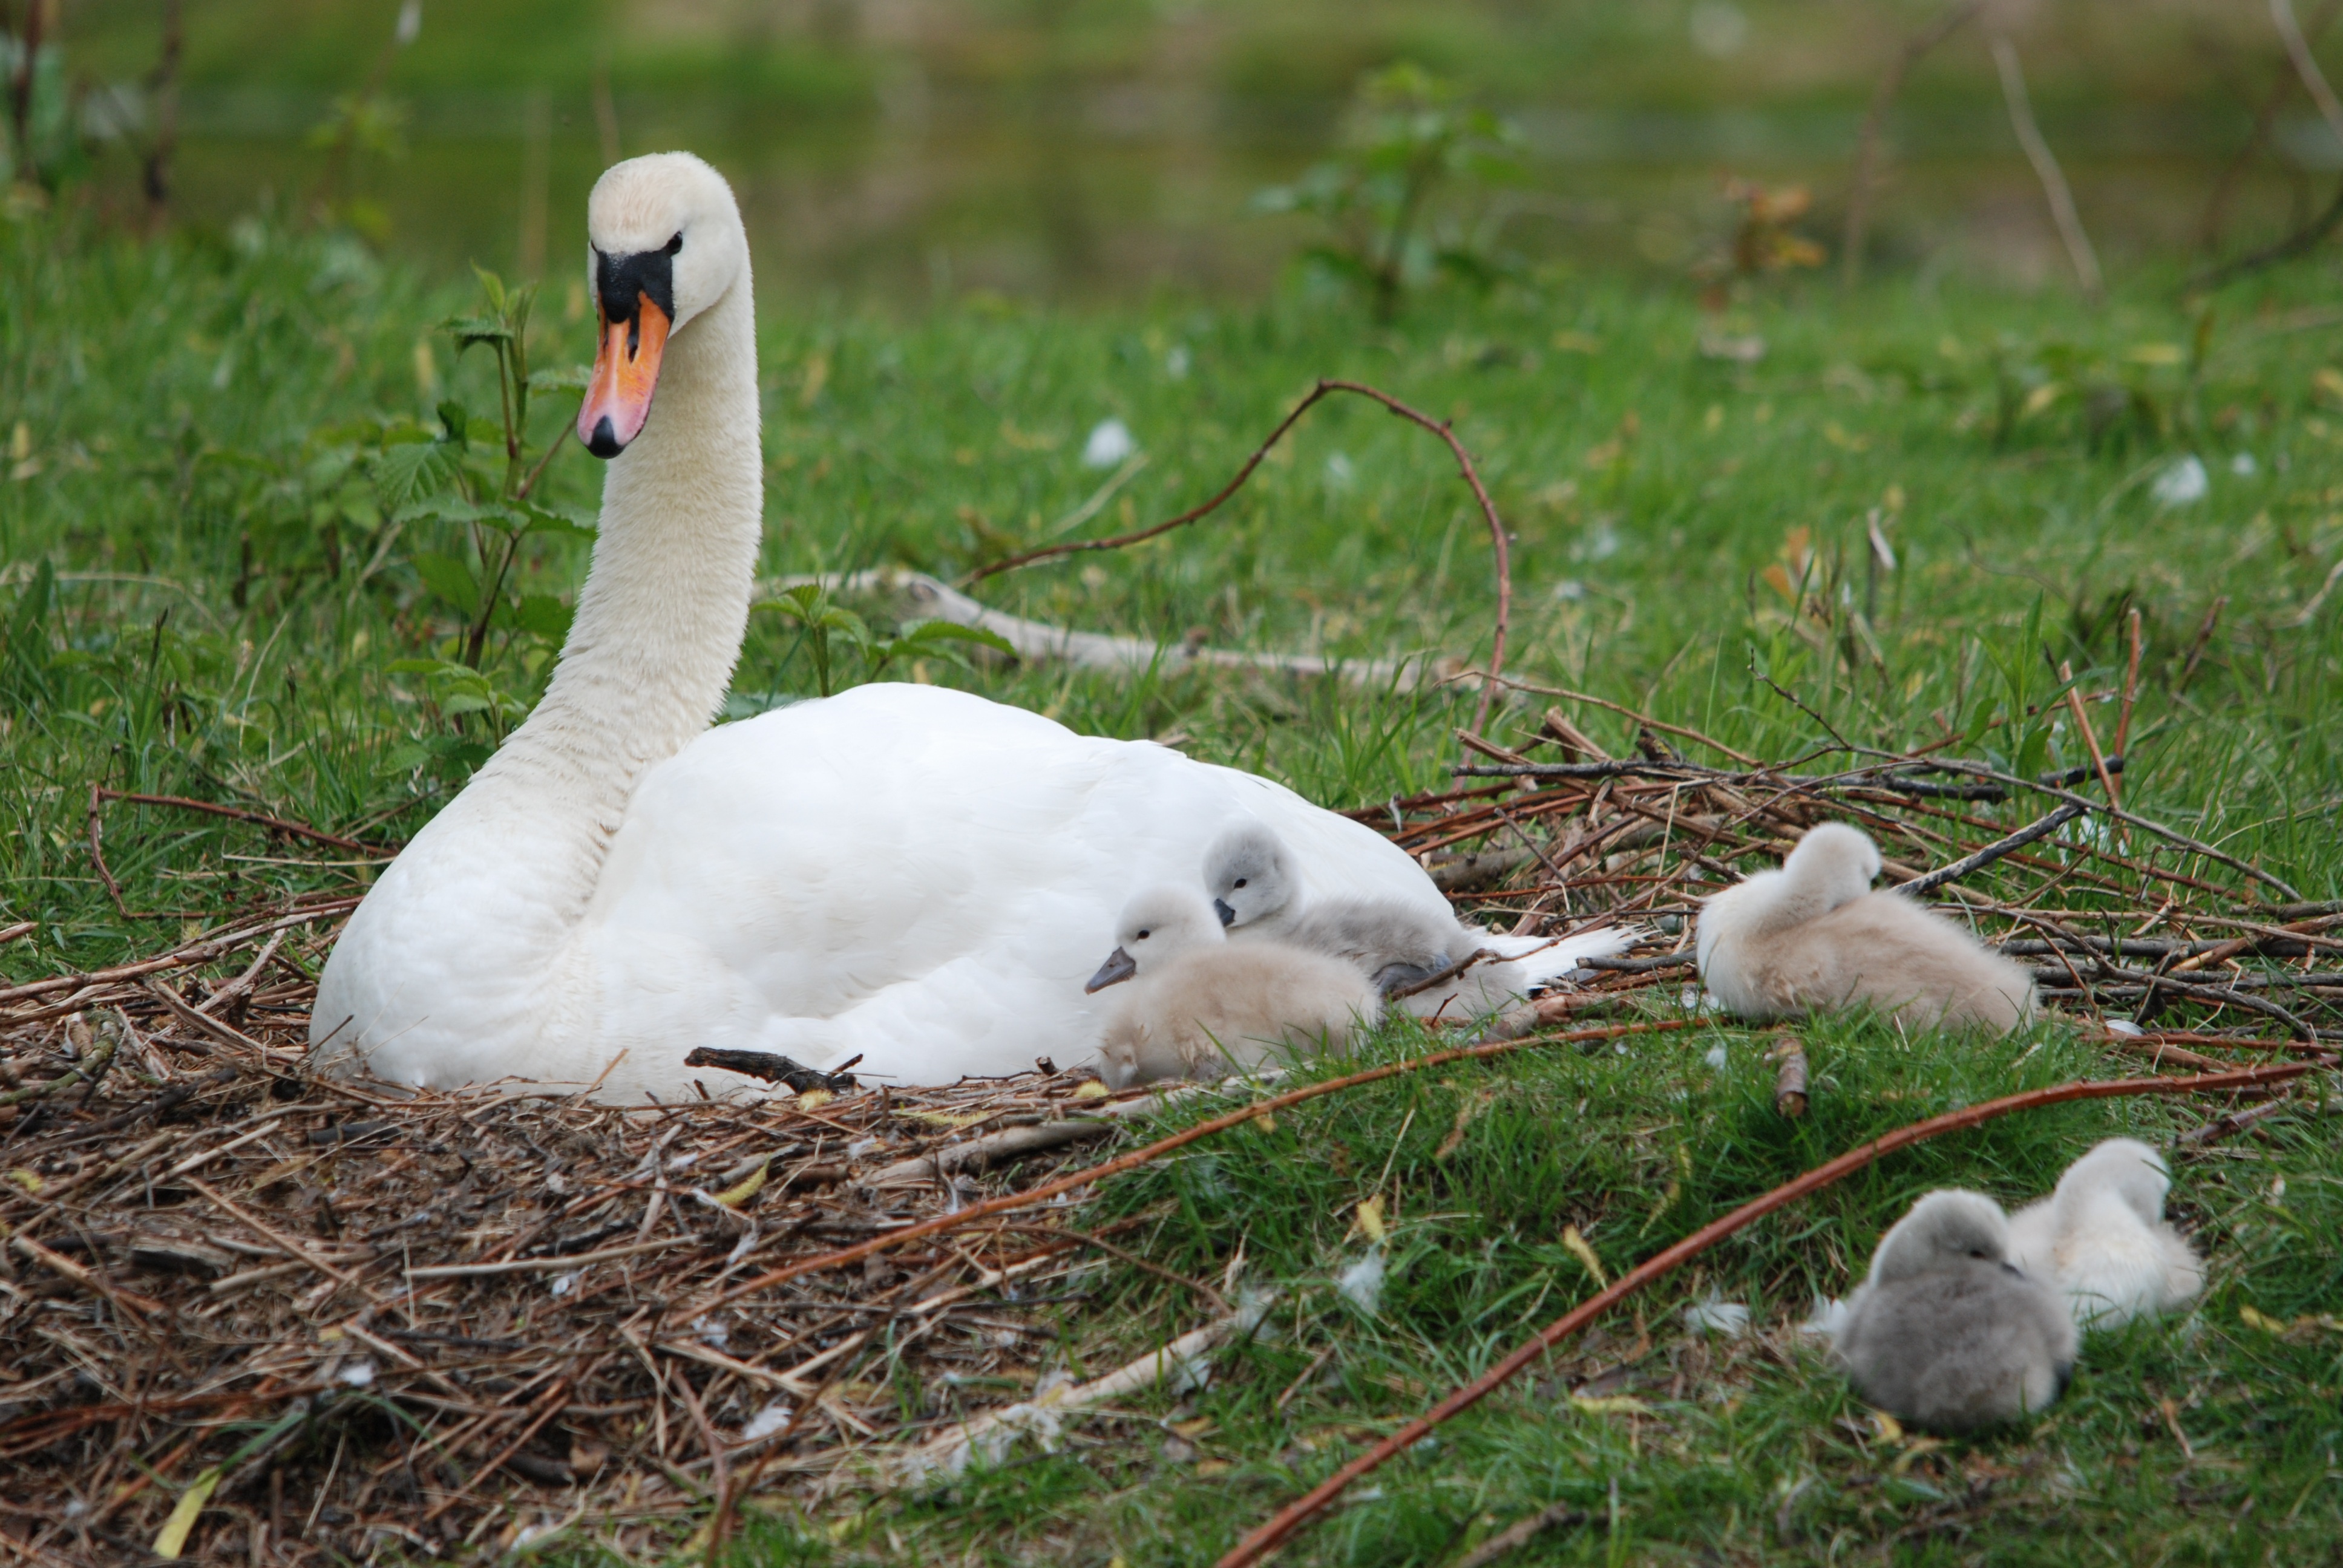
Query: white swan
{"x": 2102, "y": 1239}
{"x": 1946, "y": 1333}
{"x": 1812, "y": 935}
{"x": 911, "y": 874}
{"x": 1190, "y": 1004}
{"x": 1254, "y": 882}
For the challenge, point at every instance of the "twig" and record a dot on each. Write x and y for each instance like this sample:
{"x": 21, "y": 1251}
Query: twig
{"x": 1553, "y": 1515}
{"x": 1133, "y": 1159}
{"x": 2040, "y": 827}
{"x": 1287, "y": 1520}
{"x": 1326, "y": 387}
{"x": 2225, "y": 185}
{"x": 2131, "y": 664}
{"x": 260, "y": 819}
{"x": 2213, "y": 611}
{"x": 1866, "y": 143}
{"x": 1213, "y": 1298}
{"x": 2090, "y": 737}
{"x": 1644, "y": 718}
{"x": 2306, "y": 65}
{"x": 2046, "y": 168}
{"x": 97, "y": 856}
{"x": 2302, "y": 241}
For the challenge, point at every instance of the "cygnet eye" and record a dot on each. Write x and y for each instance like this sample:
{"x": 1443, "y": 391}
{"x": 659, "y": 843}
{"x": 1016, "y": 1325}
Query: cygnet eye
{"x": 1142, "y": 936}
{"x": 675, "y": 244}
{"x": 1241, "y": 882}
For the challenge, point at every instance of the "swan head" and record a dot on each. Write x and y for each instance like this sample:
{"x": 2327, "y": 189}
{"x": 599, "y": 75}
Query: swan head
{"x": 1943, "y": 1229}
{"x": 1836, "y": 859}
{"x": 1247, "y": 875}
{"x": 1156, "y": 927}
{"x": 664, "y": 242}
{"x": 2130, "y": 1169}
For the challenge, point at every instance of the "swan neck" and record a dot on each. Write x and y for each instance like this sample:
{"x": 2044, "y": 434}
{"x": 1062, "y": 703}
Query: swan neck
{"x": 665, "y": 603}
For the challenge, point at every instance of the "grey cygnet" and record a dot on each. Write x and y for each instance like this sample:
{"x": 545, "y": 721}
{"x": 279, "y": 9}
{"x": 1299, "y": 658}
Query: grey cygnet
{"x": 1947, "y": 1333}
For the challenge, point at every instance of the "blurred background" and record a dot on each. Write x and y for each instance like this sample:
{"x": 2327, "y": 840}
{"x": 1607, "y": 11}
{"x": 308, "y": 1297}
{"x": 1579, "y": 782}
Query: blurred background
{"x": 897, "y": 151}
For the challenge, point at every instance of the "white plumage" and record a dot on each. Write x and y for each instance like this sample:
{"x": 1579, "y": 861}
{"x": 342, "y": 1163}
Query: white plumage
{"x": 1190, "y": 1004}
{"x": 913, "y": 875}
{"x": 1256, "y": 884}
{"x": 2102, "y": 1239}
{"x": 1812, "y": 935}
{"x": 1946, "y": 1333}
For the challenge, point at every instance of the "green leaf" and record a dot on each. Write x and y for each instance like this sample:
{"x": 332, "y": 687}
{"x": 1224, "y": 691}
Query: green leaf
{"x": 545, "y": 519}
{"x": 575, "y": 378}
{"x": 449, "y": 578}
{"x": 470, "y": 331}
{"x": 456, "y": 418}
{"x": 545, "y": 615}
{"x": 931, "y": 632}
{"x": 414, "y": 472}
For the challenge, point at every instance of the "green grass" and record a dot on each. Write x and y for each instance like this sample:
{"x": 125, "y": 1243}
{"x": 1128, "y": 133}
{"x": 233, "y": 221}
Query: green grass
{"x": 187, "y": 527}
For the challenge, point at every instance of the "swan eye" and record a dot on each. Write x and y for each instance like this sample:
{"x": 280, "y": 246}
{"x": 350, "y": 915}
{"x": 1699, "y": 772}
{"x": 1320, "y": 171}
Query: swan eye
{"x": 675, "y": 244}
{"x": 1142, "y": 936}
{"x": 1241, "y": 882}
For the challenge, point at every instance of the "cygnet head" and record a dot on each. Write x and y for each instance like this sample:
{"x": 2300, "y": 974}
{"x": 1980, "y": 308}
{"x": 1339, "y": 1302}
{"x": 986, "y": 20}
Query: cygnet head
{"x": 664, "y": 242}
{"x": 1944, "y": 1229}
{"x": 1248, "y": 876}
{"x": 1835, "y": 862}
{"x": 2125, "y": 1166}
{"x": 1156, "y": 927}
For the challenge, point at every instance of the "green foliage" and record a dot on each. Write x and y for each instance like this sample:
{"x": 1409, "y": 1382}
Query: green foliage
{"x": 808, "y": 607}
{"x": 242, "y": 544}
{"x": 1397, "y": 202}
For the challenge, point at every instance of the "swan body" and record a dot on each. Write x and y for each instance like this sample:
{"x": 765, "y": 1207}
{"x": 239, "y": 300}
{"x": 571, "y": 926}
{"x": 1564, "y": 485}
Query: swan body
{"x": 1197, "y": 1005}
{"x": 909, "y": 873}
{"x": 1255, "y": 886}
{"x": 2102, "y": 1239}
{"x": 1812, "y": 936}
{"x": 1946, "y": 1333}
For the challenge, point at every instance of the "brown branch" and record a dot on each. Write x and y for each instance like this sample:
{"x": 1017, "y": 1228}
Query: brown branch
{"x": 1292, "y": 1518}
{"x": 2040, "y": 827}
{"x": 2046, "y": 168}
{"x": 2225, "y": 184}
{"x": 1133, "y": 1159}
{"x": 1325, "y": 388}
{"x": 97, "y": 852}
{"x": 1867, "y": 143}
{"x": 258, "y": 818}
{"x": 2300, "y": 242}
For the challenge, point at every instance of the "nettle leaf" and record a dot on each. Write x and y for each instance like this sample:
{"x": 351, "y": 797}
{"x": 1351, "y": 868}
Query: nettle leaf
{"x": 543, "y": 615}
{"x": 413, "y": 472}
{"x": 575, "y": 378}
{"x": 449, "y": 578}
{"x": 470, "y": 331}
{"x": 563, "y": 521}
{"x": 929, "y": 632}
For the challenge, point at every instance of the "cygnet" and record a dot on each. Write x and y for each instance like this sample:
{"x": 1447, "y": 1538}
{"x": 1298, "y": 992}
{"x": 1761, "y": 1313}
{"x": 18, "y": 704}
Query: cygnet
{"x": 1812, "y": 935}
{"x": 1257, "y": 892}
{"x": 2102, "y": 1240}
{"x": 1947, "y": 1333}
{"x": 1198, "y": 1006}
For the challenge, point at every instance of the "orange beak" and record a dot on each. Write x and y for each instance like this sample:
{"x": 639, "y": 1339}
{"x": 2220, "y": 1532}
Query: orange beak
{"x": 626, "y": 373}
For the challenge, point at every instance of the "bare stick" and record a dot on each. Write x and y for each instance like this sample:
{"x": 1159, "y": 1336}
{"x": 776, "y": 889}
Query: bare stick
{"x": 2046, "y": 168}
{"x": 163, "y": 89}
{"x": 2131, "y": 680}
{"x": 2217, "y": 205}
{"x": 1866, "y": 142}
{"x": 1292, "y": 1518}
{"x": 1135, "y": 1157}
{"x": 258, "y": 818}
{"x": 2301, "y": 242}
{"x": 1325, "y": 388}
{"x": 1518, "y": 1531}
{"x": 2090, "y": 737}
{"x": 97, "y": 853}
{"x": 2306, "y": 65}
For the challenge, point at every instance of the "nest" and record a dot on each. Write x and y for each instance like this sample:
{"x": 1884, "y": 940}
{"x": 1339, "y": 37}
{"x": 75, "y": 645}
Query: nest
{"x": 245, "y": 1310}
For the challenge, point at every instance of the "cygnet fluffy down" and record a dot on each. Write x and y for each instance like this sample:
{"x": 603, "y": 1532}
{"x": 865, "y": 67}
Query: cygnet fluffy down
{"x": 1812, "y": 935}
{"x": 1257, "y": 895}
{"x": 1947, "y": 1333}
{"x": 1198, "y": 1006}
{"x": 2102, "y": 1240}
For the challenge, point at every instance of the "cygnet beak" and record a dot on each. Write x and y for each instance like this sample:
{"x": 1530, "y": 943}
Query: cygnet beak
{"x": 1119, "y": 967}
{"x": 1228, "y": 916}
